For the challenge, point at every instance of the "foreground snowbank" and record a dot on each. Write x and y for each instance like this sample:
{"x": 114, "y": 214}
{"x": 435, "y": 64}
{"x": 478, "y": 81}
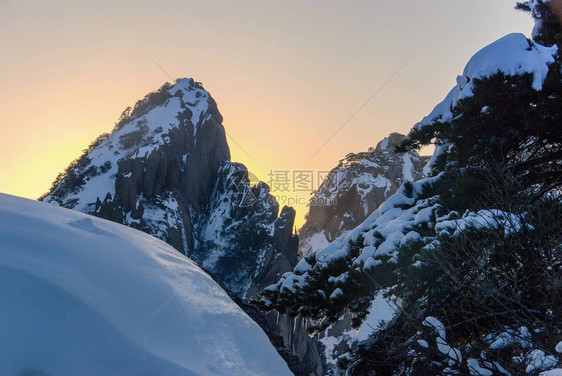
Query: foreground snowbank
{"x": 81, "y": 295}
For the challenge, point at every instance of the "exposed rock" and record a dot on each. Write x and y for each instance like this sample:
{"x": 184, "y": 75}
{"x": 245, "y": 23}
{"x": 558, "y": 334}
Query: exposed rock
{"x": 354, "y": 189}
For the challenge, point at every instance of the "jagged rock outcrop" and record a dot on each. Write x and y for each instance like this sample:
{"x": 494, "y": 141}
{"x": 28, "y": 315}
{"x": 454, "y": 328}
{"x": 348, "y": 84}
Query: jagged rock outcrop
{"x": 352, "y": 191}
{"x": 165, "y": 169}
{"x": 355, "y": 188}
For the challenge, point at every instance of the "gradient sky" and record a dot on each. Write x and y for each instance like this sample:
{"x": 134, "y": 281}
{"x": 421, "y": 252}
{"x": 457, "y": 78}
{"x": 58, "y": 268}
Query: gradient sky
{"x": 285, "y": 74}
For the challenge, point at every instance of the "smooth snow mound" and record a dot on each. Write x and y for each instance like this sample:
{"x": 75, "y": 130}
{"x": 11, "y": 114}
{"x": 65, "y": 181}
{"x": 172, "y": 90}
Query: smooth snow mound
{"x": 85, "y": 296}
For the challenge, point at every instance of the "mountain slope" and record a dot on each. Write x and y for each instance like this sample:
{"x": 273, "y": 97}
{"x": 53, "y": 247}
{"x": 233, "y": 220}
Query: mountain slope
{"x": 86, "y": 296}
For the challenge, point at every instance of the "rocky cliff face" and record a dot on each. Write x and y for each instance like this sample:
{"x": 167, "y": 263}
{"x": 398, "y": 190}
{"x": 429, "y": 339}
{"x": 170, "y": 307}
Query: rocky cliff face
{"x": 165, "y": 169}
{"x": 355, "y": 188}
{"x": 352, "y": 191}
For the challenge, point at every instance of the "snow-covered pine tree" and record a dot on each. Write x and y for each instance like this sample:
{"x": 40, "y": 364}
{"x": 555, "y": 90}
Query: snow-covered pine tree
{"x": 506, "y": 126}
{"x": 471, "y": 255}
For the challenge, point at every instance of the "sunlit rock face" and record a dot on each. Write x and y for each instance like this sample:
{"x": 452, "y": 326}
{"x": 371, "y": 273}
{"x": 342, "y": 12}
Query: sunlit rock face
{"x": 165, "y": 169}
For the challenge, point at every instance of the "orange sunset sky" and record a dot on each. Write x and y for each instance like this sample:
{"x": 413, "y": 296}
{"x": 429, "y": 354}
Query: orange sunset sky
{"x": 285, "y": 74}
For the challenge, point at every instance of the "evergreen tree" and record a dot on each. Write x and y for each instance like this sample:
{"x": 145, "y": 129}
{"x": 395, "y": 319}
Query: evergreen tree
{"x": 507, "y": 127}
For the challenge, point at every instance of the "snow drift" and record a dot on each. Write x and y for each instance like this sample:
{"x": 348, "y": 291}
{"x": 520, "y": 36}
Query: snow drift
{"x": 82, "y": 295}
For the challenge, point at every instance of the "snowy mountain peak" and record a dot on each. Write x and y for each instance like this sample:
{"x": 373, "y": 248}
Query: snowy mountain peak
{"x": 168, "y": 122}
{"x": 183, "y": 83}
{"x": 355, "y": 188}
{"x": 165, "y": 169}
